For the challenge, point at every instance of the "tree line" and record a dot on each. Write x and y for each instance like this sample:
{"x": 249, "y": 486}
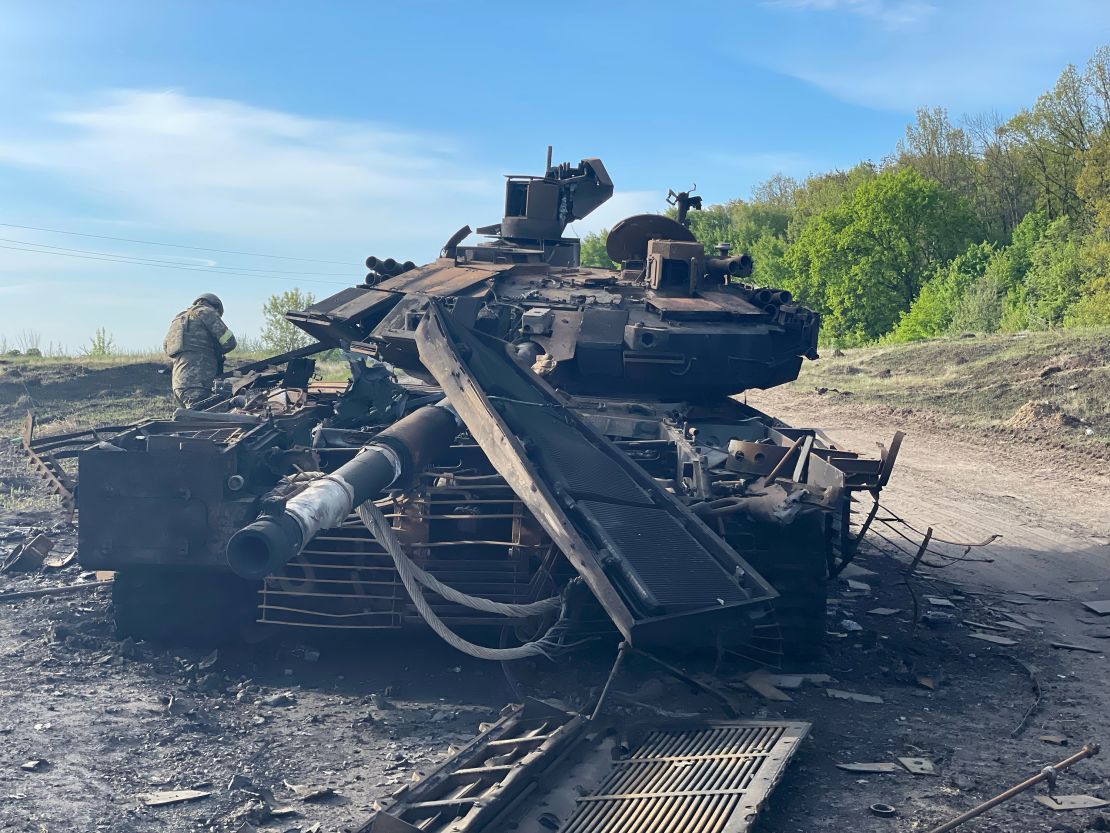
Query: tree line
{"x": 982, "y": 225}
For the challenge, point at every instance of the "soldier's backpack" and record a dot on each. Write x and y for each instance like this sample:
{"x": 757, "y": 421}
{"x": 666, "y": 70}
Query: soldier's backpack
{"x": 174, "y": 342}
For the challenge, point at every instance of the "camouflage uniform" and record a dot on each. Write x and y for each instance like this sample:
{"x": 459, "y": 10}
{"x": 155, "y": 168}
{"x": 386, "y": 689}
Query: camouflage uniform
{"x": 197, "y": 341}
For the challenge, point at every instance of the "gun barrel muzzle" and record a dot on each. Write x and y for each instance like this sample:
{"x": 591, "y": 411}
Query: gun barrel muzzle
{"x": 395, "y": 455}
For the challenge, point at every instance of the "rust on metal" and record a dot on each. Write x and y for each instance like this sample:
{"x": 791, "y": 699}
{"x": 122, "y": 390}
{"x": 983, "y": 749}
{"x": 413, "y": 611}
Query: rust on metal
{"x": 539, "y": 768}
{"x": 47, "y": 466}
{"x": 625, "y": 479}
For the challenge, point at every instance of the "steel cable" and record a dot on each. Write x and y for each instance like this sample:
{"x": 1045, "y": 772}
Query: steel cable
{"x": 412, "y": 576}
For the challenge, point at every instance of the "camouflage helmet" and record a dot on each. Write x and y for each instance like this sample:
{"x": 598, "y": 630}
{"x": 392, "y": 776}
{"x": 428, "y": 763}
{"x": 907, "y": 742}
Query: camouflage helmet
{"x": 212, "y": 301}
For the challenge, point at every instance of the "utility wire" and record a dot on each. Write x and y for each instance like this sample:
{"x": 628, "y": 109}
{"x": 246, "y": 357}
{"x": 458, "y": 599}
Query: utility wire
{"x": 185, "y": 268}
{"x": 170, "y": 262}
{"x": 176, "y": 245}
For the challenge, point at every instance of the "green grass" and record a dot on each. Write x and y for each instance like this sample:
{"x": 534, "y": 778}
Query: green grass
{"x": 70, "y": 394}
{"x": 979, "y": 381}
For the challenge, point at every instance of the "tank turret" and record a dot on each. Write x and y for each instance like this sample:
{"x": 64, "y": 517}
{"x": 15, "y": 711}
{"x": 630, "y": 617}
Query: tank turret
{"x": 673, "y": 321}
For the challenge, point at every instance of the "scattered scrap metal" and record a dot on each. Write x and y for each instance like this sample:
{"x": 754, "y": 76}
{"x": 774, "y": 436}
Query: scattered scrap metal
{"x": 1048, "y": 774}
{"x": 541, "y": 768}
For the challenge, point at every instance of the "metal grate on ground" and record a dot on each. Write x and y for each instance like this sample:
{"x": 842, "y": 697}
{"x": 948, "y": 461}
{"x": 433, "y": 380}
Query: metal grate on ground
{"x": 711, "y": 779}
{"x": 538, "y": 768}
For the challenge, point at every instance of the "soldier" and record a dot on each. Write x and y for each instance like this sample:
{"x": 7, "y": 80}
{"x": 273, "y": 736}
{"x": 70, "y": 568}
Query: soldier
{"x": 197, "y": 342}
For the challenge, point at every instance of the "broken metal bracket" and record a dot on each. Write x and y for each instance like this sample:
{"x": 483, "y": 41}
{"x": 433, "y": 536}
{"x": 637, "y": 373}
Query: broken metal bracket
{"x": 48, "y": 468}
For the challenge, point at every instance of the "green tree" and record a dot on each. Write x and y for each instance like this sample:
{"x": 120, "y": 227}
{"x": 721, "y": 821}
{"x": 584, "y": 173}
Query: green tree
{"x": 863, "y": 262}
{"x": 593, "y": 250}
{"x": 1004, "y": 188}
{"x": 1056, "y": 133}
{"x": 278, "y": 334}
{"x": 935, "y": 308}
{"x": 738, "y": 223}
{"x": 780, "y": 191}
{"x": 980, "y": 308}
{"x": 1093, "y": 183}
{"x": 769, "y": 262}
{"x": 824, "y": 192}
{"x": 1093, "y": 186}
{"x": 939, "y": 150}
{"x": 1054, "y": 280}
{"x": 1092, "y": 307}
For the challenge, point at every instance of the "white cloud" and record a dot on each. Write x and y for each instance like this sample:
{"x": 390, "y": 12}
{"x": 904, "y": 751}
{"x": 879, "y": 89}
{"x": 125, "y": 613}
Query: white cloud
{"x": 888, "y": 86}
{"x": 898, "y": 55}
{"x": 21, "y": 288}
{"x": 203, "y": 165}
{"x": 891, "y": 13}
{"x": 215, "y": 172}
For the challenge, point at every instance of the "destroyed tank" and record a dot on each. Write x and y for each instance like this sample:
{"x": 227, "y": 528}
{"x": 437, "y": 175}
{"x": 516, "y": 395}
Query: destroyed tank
{"x": 562, "y": 444}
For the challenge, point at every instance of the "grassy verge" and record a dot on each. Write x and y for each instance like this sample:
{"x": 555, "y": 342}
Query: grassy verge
{"x": 985, "y": 381}
{"x": 68, "y": 394}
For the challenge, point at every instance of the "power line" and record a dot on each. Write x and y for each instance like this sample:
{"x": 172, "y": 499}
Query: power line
{"x": 176, "y": 245}
{"x": 148, "y": 260}
{"x": 180, "y": 267}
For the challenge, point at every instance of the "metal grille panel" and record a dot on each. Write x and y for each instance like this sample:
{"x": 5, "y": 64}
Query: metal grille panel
{"x": 572, "y": 460}
{"x": 711, "y": 779}
{"x": 345, "y": 580}
{"x": 659, "y": 549}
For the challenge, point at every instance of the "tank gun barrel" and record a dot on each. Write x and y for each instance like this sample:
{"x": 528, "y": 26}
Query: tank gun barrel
{"x": 394, "y": 456}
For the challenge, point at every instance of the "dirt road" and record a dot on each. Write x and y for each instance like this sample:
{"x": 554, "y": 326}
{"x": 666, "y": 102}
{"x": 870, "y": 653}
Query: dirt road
{"x": 1050, "y": 507}
{"x": 1052, "y": 512}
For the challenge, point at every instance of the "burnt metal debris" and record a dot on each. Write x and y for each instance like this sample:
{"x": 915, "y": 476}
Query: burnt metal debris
{"x": 708, "y": 776}
{"x": 40, "y": 455}
{"x": 552, "y": 443}
{"x": 1048, "y": 774}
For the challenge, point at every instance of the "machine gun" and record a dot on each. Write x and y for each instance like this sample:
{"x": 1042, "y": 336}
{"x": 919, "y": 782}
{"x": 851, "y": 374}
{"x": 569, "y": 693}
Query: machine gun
{"x": 684, "y": 201}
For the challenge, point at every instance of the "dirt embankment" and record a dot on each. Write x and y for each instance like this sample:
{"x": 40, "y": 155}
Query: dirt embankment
{"x": 72, "y": 393}
{"x": 1046, "y": 387}
{"x": 68, "y": 396}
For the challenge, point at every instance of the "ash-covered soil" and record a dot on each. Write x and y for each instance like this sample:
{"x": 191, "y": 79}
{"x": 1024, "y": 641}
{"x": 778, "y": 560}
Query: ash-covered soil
{"x": 112, "y": 720}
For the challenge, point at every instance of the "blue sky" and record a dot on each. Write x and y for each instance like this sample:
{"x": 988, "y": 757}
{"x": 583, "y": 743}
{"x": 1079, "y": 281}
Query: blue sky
{"x": 330, "y": 131}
